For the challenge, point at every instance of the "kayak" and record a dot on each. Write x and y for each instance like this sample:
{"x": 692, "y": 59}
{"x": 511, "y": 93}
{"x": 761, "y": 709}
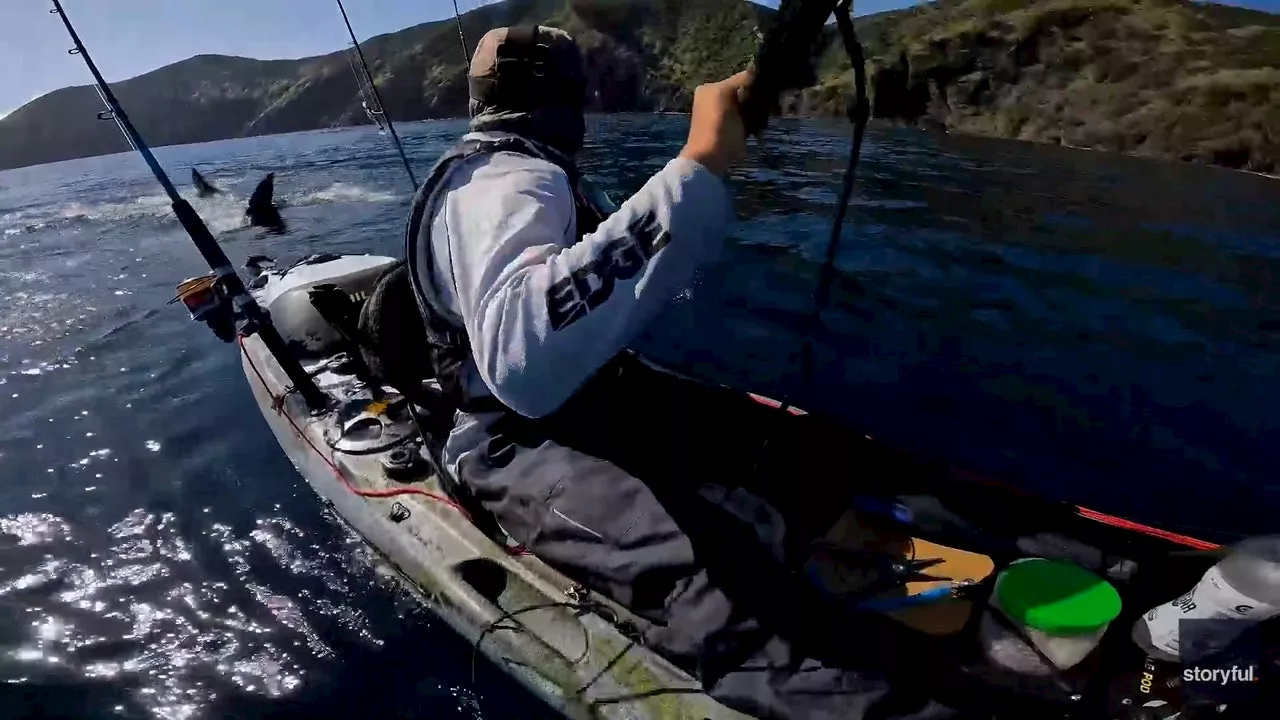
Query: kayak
{"x": 1075, "y": 578}
{"x": 369, "y": 456}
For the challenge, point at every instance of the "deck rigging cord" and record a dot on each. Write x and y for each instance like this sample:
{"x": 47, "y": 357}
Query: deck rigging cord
{"x": 378, "y": 108}
{"x": 277, "y": 404}
{"x": 783, "y": 63}
{"x": 227, "y": 281}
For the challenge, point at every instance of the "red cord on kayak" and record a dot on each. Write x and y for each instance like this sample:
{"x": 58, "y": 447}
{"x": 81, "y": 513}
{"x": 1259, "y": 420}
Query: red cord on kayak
{"x": 1133, "y": 526}
{"x": 278, "y": 404}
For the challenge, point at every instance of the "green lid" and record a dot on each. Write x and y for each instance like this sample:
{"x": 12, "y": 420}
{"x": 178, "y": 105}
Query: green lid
{"x": 1056, "y": 597}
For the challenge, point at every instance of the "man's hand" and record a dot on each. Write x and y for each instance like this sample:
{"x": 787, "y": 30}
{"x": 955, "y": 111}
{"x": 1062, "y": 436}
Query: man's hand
{"x": 717, "y": 138}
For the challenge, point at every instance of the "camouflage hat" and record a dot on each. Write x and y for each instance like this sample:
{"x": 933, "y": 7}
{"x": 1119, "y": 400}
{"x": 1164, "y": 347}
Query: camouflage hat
{"x": 522, "y": 68}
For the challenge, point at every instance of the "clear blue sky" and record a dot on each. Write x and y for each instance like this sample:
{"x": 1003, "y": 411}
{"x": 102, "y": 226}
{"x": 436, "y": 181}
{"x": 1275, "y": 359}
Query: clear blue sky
{"x": 130, "y": 37}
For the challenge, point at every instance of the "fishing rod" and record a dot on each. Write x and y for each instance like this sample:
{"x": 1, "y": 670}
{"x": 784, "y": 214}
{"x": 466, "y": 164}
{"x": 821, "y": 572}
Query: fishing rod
{"x": 466, "y": 54}
{"x": 784, "y": 62}
{"x": 374, "y": 117}
{"x": 377, "y": 98}
{"x": 218, "y": 297}
{"x": 108, "y": 115}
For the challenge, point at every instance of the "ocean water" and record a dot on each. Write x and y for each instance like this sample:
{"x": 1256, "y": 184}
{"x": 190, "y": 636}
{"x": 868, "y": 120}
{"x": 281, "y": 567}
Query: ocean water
{"x": 1099, "y": 329}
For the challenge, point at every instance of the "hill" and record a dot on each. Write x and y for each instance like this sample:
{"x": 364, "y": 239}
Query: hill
{"x": 643, "y": 56}
{"x": 1162, "y": 78}
{"x": 1165, "y": 78}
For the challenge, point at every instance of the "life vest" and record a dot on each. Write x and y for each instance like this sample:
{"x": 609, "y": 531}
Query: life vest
{"x": 404, "y": 351}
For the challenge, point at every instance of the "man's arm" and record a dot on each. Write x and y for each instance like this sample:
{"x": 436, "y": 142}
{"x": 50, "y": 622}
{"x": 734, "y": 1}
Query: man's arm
{"x": 543, "y": 317}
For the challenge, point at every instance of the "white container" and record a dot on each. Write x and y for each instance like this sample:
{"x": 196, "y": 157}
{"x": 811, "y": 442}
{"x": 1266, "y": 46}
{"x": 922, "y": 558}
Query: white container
{"x": 1061, "y": 608}
{"x": 1244, "y": 586}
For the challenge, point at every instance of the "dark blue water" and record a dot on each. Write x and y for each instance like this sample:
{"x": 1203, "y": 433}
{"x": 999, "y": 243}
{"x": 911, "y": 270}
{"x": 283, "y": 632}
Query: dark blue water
{"x": 1099, "y": 329}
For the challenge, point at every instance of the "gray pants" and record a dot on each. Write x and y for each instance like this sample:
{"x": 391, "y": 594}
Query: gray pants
{"x": 607, "y": 491}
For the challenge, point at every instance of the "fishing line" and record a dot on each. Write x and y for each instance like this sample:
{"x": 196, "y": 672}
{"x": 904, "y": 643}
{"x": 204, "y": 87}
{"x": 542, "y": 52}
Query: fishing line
{"x": 364, "y": 90}
{"x": 858, "y": 111}
{"x": 784, "y": 61}
{"x": 224, "y": 274}
{"x": 377, "y": 98}
{"x": 784, "y": 58}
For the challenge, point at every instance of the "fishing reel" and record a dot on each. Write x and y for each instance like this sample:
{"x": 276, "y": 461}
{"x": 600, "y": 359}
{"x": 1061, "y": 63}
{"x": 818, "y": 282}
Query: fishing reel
{"x": 208, "y": 301}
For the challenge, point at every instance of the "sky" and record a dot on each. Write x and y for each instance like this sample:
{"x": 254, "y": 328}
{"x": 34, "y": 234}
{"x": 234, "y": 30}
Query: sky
{"x": 130, "y": 37}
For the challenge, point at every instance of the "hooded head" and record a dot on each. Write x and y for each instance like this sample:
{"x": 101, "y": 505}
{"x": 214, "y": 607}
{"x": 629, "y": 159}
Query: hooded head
{"x": 529, "y": 81}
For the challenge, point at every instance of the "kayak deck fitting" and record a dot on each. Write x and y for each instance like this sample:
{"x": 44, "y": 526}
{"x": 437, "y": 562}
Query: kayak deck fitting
{"x": 577, "y": 651}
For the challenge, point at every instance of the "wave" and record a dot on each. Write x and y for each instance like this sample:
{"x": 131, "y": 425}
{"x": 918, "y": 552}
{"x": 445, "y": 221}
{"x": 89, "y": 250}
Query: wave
{"x": 126, "y": 324}
{"x": 341, "y": 192}
{"x": 36, "y": 317}
{"x": 222, "y": 213}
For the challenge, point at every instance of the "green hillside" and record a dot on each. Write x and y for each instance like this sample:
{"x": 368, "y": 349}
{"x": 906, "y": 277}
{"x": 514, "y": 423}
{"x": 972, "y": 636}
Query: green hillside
{"x": 1162, "y": 78}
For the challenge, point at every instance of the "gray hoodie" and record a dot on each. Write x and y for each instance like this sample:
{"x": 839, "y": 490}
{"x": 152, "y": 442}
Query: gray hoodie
{"x": 543, "y": 312}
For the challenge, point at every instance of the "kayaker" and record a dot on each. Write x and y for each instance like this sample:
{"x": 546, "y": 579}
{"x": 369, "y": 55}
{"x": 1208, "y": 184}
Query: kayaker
{"x": 651, "y": 489}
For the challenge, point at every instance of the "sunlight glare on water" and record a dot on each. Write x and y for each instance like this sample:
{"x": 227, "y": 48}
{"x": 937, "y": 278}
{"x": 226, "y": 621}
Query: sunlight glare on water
{"x": 162, "y": 562}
